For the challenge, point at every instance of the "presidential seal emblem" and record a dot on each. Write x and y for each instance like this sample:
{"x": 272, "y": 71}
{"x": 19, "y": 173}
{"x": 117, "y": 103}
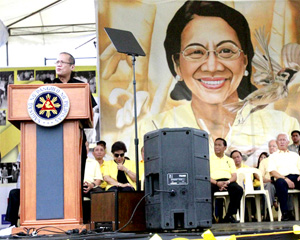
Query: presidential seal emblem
{"x": 48, "y": 106}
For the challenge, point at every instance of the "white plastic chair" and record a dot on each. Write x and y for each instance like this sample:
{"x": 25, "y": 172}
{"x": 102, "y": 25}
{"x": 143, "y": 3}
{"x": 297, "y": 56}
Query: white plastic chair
{"x": 225, "y": 196}
{"x": 245, "y": 180}
{"x": 295, "y": 193}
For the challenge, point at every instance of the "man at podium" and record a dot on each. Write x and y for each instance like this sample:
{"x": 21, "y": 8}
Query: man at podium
{"x": 65, "y": 64}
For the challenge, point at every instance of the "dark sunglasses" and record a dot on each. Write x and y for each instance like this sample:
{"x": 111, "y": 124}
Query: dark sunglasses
{"x": 119, "y": 155}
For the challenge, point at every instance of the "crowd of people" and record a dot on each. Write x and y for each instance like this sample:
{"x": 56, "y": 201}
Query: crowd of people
{"x": 280, "y": 169}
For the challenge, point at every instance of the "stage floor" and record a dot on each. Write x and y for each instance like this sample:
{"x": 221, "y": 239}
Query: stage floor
{"x": 249, "y": 230}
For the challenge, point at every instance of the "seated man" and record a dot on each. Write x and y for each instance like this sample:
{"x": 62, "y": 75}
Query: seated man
{"x": 284, "y": 166}
{"x": 237, "y": 157}
{"x": 92, "y": 180}
{"x": 223, "y": 178}
{"x": 99, "y": 153}
{"x": 263, "y": 165}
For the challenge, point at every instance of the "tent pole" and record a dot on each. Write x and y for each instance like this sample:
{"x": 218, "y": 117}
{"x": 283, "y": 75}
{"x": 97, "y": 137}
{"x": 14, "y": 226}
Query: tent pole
{"x": 7, "y": 54}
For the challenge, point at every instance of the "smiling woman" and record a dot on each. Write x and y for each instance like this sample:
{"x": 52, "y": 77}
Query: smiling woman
{"x": 208, "y": 47}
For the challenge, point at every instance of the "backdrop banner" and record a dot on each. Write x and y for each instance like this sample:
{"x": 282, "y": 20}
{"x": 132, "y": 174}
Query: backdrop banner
{"x": 229, "y": 68}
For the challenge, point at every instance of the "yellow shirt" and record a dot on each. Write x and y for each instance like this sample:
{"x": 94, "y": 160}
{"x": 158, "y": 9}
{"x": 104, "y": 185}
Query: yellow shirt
{"x": 141, "y": 169}
{"x": 243, "y": 165}
{"x": 221, "y": 167}
{"x": 92, "y": 170}
{"x": 102, "y": 166}
{"x": 111, "y": 170}
{"x": 263, "y": 167}
{"x": 255, "y": 132}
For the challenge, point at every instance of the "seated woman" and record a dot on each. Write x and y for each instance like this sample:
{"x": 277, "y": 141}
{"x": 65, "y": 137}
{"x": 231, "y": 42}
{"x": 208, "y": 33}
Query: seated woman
{"x": 120, "y": 173}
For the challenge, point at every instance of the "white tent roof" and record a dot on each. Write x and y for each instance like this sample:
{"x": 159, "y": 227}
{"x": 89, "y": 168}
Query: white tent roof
{"x": 61, "y": 12}
{"x": 41, "y": 29}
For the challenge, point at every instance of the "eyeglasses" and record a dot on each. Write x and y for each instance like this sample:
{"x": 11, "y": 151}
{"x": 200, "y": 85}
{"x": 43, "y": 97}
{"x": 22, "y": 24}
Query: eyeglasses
{"x": 226, "y": 51}
{"x": 119, "y": 155}
{"x": 62, "y": 62}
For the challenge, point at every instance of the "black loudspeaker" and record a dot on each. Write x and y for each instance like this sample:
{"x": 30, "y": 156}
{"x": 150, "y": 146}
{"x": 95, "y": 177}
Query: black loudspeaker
{"x": 177, "y": 179}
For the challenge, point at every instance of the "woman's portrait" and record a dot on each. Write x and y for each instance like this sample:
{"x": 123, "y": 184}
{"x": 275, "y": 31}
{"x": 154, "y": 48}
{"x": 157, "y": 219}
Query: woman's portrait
{"x": 212, "y": 57}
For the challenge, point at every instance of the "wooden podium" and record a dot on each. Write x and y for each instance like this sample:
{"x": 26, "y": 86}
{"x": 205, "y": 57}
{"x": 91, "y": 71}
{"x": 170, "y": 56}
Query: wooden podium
{"x": 51, "y": 159}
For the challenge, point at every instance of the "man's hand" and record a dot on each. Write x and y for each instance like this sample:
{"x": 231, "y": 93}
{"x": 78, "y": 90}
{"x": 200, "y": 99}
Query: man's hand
{"x": 222, "y": 185}
{"x": 87, "y": 187}
{"x": 290, "y": 183}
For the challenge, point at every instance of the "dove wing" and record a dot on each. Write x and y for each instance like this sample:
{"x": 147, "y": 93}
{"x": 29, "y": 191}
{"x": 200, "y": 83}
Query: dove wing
{"x": 266, "y": 67}
{"x": 291, "y": 56}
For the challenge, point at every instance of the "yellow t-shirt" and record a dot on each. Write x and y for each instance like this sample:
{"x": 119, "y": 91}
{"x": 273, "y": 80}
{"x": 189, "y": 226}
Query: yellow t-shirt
{"x": 263, "y": 167}
{"x": 111, "y": 170}
{"x": 141, "y": 169}
{"x": 221, "y": 167}
{"x": 92, "y": 170}
{"x": 103, "y": 184}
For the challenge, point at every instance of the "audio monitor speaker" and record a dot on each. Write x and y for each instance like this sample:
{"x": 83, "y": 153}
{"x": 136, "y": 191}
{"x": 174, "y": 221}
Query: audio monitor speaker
{"x": 177, "y": 179}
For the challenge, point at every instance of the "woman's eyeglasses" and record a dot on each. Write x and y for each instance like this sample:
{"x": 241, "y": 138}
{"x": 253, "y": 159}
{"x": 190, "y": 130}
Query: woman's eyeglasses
{"x": 62, "y": 62}
{"x": 226, "y": 51}
{"x": 119, "y": 155}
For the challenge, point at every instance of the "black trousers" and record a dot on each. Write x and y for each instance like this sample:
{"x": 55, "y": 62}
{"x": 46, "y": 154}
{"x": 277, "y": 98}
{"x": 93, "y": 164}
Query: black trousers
{"x": 12, "y": 211}
{"x": 235, "y": 195}
{"x": 282, "y": 190}
{"x": 121, "y": 189}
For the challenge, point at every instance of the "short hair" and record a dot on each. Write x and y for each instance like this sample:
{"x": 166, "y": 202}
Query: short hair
{"x": 234, "y": 151}
{"x": 285, "y": 134}
{"x": 223, "y": 140}
{"x": 71, "y": 58}
{"x": 118, "y": 146}
{"x": 295, "y": 131}
{"x": 102, "y": 143}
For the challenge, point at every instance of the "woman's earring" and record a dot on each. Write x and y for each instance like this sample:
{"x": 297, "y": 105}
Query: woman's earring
{"x": 178, "y": 78}
{"x": 246, "y": 73}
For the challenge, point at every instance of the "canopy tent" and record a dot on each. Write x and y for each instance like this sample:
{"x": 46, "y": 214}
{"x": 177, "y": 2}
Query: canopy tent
{"x": 41, "y": 29}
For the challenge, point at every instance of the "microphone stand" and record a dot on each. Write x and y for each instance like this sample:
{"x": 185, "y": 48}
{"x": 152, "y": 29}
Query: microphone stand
{"x": 136, "y": 140}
